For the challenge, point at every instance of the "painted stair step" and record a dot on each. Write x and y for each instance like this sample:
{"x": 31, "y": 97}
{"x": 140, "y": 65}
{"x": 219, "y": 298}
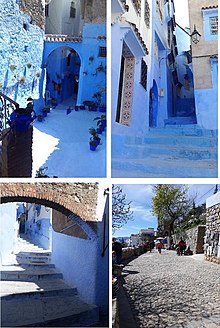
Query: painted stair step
{"x": 143, "y": 151}
{"x": 32, "y": 261}
{"x": 14, "y": 290}
{"x": 38, "y": 254}
{"x": 188, "y": 130}
{"x": 48, "y": 309}
{"x": 164, "y": 167}
{"x": 29, "y": 275}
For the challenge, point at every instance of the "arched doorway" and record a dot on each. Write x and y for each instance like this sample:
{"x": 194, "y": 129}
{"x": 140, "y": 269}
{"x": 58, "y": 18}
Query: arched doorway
{"x": 62, "y": 74}
{"x": 153, "y": 105}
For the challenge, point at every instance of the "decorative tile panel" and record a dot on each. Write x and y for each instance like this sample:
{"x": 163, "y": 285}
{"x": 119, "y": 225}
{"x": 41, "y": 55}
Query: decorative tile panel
{"x": 127, "y": 93}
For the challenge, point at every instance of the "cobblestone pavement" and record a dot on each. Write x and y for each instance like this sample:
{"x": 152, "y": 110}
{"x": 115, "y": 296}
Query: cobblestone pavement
{"x": 173, "y": 291}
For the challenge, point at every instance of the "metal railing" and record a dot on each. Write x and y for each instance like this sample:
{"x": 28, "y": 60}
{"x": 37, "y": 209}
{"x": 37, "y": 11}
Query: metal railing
{"x": 7, "y": 106}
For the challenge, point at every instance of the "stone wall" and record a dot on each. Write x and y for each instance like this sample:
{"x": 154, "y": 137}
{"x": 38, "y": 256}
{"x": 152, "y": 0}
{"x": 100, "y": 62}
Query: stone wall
{"x": 95, "y": 11}
{"x": 193, "y": 237}
{"x": 21, "y": 44}
{"x": 130, "y": 252}
{"x": 78, "y": 198}
{"x": 212, "y": 236}
{"x": 35, "y": 9}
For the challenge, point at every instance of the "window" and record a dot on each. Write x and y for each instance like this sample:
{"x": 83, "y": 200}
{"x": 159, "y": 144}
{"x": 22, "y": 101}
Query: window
{"x": 137, "y": 5}
{"x": 72, "y": 10}
{"x": 102, "y": 51}
{"x": 143, "y": 81}
{"x": 147, "y": 14}
{"x": 46, "y": 10}
{"x": 213, "y": 22}
{"x": 210, "y": 23}
{"x": 160, "y": 5}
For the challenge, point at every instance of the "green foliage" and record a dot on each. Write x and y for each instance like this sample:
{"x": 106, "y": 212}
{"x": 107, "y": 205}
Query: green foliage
{"x": 169, "y": 204}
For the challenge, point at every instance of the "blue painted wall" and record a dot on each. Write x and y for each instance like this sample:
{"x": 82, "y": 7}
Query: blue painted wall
{"x": 90, "y": 79}
{"x": 139, "y": 124}
{"x": 83, "y": 266}
{"x": 9, "y": 230}
{"x": 19, "y": 47}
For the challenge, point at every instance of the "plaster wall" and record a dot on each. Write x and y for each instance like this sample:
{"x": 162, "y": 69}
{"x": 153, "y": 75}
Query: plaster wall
{"x": 21, "y": 45}
{"x": 139, "y": 123}
{"x": 202, "y": 50}
{"x": 82, "y": 266}
{"x": 59, "y": 20}
{"x": 9, "y": 231}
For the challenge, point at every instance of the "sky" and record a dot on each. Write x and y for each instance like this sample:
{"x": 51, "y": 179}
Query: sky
{"x": 181, "y": 12}
{"x": 141, "y": 197}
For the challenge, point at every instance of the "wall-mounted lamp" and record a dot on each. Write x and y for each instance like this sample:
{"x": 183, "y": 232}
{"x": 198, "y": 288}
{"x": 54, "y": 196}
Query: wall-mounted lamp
{"x": 195, "y": 36}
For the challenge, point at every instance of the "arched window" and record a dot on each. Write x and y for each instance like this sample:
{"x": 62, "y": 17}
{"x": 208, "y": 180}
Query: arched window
{"x": 72, "y": 10}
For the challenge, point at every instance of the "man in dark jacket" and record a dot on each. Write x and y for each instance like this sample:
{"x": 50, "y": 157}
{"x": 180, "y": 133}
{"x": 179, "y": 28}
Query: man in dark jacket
{"x": 117, "y": 248}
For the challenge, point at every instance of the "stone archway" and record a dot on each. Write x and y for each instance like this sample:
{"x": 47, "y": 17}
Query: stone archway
{"x": 62, "y": 73}
{"x": 77, "y": 201}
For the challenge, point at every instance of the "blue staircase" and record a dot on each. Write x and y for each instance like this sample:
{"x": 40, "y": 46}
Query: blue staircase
{"x": 175, "y": 151}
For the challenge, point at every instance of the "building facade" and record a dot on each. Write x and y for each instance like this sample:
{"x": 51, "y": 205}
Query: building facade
{"x": 204, "y": 15}
{"x": 54, "y": 50}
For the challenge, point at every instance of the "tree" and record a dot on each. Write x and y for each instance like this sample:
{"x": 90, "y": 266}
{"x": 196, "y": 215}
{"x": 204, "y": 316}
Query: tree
{"x": 121, "y": 209}
{"x": 169, "y": 204}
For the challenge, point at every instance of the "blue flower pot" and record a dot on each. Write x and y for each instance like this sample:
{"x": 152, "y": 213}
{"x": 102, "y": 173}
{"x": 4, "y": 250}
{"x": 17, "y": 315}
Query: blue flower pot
{"x": 102, "y": 109}
{"x": 93, "y": 148}
{"x": 99, "y": 130}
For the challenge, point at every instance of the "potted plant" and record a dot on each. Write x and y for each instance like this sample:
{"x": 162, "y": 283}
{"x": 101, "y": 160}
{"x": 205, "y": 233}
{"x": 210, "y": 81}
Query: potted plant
{"x": 92, "y": 144}
{"x": 102, "y": 108}
{"x": 41, "y": 172}
{"x": 45, "y": 111}
{"x": 95, "y": 135}
{"x": 101, "y": 123}
{"x": 53, "y": 102}
{"x": 40, "y": 118}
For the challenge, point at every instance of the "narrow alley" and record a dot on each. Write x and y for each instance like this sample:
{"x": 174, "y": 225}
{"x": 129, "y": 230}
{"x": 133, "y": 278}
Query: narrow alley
{"x": 173, "y": 291}
{"x": 67, "y": 153}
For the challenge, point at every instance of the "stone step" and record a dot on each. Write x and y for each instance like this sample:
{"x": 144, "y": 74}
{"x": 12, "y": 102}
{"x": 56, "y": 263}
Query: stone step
{"x": 21, "y": 290}
{"x": 165, "y": 167}
{"x": 16, "y": 273}
{"x": 145, "y": 150}
{"x": 48, "y": 310}
{"x": 184, "y": 130}
{"x": 34, "y": 253}
{"x": 32, "y": 260}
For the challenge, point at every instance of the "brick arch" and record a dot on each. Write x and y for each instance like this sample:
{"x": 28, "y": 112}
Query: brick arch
{"x": 75, "y": 200}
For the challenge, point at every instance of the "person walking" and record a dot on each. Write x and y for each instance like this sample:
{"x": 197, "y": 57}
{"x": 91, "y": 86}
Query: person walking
{"x": 182, "y": 246}
{"x": 117, "y": 248}
{"x": 159, "y": 246}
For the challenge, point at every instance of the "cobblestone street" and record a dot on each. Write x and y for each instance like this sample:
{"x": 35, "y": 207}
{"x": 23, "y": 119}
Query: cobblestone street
{"x": 173, "y": 291}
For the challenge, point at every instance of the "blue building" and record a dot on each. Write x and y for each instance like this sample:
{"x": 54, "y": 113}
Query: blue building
{"x": 156, "y": 127}
{"x": 64, "y": 56}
